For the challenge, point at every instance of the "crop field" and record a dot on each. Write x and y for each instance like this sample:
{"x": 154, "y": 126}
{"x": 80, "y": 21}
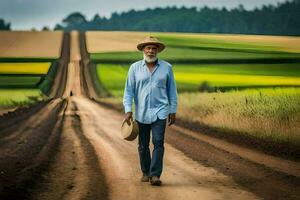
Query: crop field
{"x": 25, "y": 65}
{"x": 248, "y": 84}
{"x": 26, "y": 44}
{"x": 194, "y": 55}
{"x": 116, "y": 41}
{"x": 19, "y": 81}
{"x": 224, "y": 77}
{"x": 24, "y": 68}
{"x": 22, "y": 75}
{"x": 186, "y": 48}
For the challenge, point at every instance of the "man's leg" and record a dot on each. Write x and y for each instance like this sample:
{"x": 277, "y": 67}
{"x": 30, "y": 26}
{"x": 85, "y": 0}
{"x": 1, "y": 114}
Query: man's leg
{"x": 144, "y": 152}
{"x": 158, "y": 135}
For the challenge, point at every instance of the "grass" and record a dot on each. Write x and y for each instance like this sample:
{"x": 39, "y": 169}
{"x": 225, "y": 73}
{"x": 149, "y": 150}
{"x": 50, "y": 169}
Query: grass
{"x": 24, "y": 68}
{"x": 268, "y": 114}
{"x": 14, "y": 81}
{"x": 191, "y": 77}
{"x": 11, "y": 98}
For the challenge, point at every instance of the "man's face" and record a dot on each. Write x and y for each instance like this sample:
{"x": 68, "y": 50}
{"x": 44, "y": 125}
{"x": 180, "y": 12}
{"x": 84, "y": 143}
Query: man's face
{"x": 150, "y": 52}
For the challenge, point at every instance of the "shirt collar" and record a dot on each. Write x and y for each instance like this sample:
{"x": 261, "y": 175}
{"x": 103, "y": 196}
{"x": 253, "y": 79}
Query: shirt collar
{"x": 157, "y": 62}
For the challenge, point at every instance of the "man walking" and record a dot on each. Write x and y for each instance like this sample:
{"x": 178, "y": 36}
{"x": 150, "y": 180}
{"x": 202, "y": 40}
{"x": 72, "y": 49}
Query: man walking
{"x": 150, "y": 83}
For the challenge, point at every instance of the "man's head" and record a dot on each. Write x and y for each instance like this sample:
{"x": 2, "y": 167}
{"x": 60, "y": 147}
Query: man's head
{"x": 150, "y": 46}
{"x": 150, "y": 53}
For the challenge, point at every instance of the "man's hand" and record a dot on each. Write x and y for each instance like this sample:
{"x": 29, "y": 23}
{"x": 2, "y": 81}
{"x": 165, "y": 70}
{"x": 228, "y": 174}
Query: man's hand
{"x": 171, "y": 119}
{"x": 128, "y": 118}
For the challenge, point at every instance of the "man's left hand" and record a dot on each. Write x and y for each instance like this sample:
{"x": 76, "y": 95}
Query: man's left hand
{"x": 171, "y": 119}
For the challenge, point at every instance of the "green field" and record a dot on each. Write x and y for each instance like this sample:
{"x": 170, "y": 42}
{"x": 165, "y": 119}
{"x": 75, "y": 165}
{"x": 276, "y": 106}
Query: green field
{"x": 227, "y": 76}
{"x": 23, "y": 83}
{"x": 11, "y": 98}
{"x": 224, "y": 82}
{"x": 195, "y": 55}
{"x": 184, "y": 48}
{"x": 12, "y": 81}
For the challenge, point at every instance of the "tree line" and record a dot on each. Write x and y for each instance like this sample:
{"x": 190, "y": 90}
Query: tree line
{"x": 280, "y": 19}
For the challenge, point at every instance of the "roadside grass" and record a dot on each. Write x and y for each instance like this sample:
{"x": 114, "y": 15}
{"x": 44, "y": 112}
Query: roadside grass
{"x": 271, "y": 115}
{"x": 268, "y": 114}
{"x": 11, "y": 98}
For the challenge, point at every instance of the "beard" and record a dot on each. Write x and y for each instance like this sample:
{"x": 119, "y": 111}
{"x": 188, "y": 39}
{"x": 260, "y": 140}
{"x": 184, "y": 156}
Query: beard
{"x": 150, "y": 59}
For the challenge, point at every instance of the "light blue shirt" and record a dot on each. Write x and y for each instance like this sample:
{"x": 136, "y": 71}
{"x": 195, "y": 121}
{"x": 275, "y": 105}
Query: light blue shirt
{"x": 154, "y": 94}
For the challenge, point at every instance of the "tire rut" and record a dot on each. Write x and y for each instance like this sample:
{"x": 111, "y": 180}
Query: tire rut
{"x": 260, "y": 180}
{"x": 20, "y": 166}
{"x": 74, "y": 173}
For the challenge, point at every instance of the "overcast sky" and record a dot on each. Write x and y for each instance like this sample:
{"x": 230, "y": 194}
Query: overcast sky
{"x": 26, "y": 14}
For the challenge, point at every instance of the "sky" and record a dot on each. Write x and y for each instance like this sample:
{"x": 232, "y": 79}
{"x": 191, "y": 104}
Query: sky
{"x": 28, "y": 14}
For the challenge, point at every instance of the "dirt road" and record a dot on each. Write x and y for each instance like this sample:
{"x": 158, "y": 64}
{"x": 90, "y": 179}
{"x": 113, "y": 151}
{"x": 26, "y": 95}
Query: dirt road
{"x": 92, "y": 161}
{"x": 94, "y": 132}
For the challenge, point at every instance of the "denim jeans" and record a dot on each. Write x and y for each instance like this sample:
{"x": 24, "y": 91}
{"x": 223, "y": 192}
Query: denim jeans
{"x": 152, "y": 166}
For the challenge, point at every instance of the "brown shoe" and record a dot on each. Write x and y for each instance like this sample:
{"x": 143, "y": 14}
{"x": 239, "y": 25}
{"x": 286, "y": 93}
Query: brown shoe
{"x": 145, "y": 178}
{"x": 154, "y": 180}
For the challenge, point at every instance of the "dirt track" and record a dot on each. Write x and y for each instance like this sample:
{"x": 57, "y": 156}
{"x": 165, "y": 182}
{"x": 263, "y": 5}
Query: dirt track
{"x": 93, "y": 162}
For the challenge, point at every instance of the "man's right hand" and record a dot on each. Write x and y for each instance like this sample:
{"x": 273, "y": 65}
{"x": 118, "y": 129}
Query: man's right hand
{"x": 128, "y": 118}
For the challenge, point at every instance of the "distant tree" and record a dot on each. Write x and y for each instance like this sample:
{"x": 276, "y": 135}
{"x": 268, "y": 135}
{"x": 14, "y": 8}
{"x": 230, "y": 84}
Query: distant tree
{"x": 45, "y": 28}
{"x": 58, "y": 27}
{"x": 4, "y": 25}
{"x": 74, "y": 19}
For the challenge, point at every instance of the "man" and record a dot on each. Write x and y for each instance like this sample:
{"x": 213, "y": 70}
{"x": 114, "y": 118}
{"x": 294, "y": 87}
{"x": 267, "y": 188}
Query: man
{"x": 150, "y": 83}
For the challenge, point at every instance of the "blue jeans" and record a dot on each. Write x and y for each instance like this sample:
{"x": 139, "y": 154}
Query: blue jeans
{"x": 154, "y": 166}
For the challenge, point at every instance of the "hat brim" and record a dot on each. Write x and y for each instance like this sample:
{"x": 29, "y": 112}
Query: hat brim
{"x": 159, "y": 45}
{"x": 129, "y": 132}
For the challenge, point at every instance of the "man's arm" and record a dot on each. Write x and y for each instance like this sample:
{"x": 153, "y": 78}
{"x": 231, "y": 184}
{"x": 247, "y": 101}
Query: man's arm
{"x": 172, "y": 95}
{"x": 128, "y": 95}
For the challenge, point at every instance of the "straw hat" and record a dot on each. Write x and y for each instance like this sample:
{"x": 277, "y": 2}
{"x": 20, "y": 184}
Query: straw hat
{"x": 129, "y": 132}
{"x": 151, "y": 40}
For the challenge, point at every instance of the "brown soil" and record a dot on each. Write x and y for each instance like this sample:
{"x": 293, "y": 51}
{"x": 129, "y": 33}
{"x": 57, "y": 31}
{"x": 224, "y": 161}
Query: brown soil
{"x": 37, "y": 44}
